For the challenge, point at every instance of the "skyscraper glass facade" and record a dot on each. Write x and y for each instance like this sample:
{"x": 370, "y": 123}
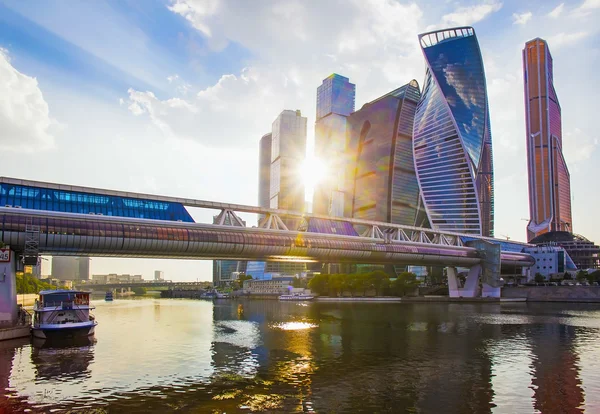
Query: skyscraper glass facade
{"x": 549, "y": 179}
{"x": 382, "y": 184}
{"x": 87, "y": 203}
{"x": 288, "y": 151}
{"x": 335, "y": 96}
{"x": 452, "y": 140}
{"x": 335, "y": 101}
{"x": 264, "y": 171}
{"x": 222, "y": 269}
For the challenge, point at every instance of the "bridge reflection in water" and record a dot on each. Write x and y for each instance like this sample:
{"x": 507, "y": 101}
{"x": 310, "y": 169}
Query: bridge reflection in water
{"x": 155, "y": 355}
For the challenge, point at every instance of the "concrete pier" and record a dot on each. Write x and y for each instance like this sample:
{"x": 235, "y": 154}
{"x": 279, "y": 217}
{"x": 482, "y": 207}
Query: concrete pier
{"x": 10, "y": 326}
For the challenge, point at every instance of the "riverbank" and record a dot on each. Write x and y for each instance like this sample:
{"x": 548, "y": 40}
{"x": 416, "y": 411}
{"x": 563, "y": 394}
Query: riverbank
{"x": 419, "y": 299}
{"x": 576, "y": 294}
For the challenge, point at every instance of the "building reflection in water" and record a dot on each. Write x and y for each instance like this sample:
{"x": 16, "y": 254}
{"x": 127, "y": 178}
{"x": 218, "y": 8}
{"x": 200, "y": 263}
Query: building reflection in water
{"x": 556, "y": 380}
{"x": 421, "y": 357}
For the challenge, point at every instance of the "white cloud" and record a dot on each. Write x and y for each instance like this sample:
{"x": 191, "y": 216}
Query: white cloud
{"x": 232, "y": 113}
{"x": 181, "y": 86}
{"x": 465, "y": 16}
{"x": 25, "y": 123}
{"x": 586, "y": 8}
{"x": 563, "y": 39}
{"x": 522, "y": 18}
{"x": 578, "y": 146}
{"x": 294, "y": 47}
{"x": 195, "y": 11}
{"x": 557, "y": 11}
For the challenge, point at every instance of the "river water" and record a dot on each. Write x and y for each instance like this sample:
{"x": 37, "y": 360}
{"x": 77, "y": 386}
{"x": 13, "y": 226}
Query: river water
{"x": 170, "y": 355}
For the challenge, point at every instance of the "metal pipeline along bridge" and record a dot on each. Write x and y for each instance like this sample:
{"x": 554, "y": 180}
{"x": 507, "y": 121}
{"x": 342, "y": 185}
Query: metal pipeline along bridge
{"x": 54, "y": 219}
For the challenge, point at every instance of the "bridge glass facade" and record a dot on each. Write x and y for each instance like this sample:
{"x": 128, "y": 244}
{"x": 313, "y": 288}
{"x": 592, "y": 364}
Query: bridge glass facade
{"x": 86, "y": 203}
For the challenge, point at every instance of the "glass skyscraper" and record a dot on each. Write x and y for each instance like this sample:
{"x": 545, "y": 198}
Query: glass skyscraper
{"x": 549, "y": 179}
{"x": 452, "y": 138}
{"x": 288, "y": 151}
{"x": 381, "y": 183}
{"x": 222, "y": 269}
{"x": 335, "y": 101}
{"x": 264, "y": 172}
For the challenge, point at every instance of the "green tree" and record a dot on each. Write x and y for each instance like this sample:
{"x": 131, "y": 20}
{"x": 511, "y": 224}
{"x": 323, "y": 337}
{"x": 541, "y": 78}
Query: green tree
{"x": 363, "y": 283}
{"x": 406, "y": 282}
{"x": 139, "y": 290}
{"x": 27, "y": 283}
{"x": 384, "y": 287}
{"x": 567, "y": 276}
{"x": 594, "y": 276}
{"x": 242, "y": 277}
{"x": 581, "y": 275}
{"x": 336, "y": 283}
{"x": 377, "y": 281}
{"x": 539, "y": 278}
{"x": 319, "y": 284}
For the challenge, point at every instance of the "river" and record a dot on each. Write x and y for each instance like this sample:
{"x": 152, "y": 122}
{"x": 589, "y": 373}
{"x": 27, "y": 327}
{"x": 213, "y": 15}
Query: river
{"x": 177, "y": 355}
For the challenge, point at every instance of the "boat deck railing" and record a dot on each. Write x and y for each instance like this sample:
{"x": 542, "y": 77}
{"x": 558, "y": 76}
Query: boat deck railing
{"x": 23, "y": 317}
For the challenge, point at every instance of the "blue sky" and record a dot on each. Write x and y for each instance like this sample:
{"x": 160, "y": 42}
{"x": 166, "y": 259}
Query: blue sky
{"x": 172, "y": 96}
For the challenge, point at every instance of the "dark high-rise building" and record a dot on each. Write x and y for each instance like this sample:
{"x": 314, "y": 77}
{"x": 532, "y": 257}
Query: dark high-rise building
{"x": 549, "y": 179}
{"x": 381, "y": 182}
{"x": 452, "y": 141}
{"x": 335, "y": 101}
{"x": 70, "y": 268}
{"x": 288, "y": 151}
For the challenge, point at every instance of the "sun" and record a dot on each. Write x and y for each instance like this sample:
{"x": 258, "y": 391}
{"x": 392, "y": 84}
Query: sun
{"x": 312, "y": 172}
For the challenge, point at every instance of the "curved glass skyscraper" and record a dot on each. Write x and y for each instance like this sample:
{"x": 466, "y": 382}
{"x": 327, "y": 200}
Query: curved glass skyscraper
{"x": 452, "y": 143}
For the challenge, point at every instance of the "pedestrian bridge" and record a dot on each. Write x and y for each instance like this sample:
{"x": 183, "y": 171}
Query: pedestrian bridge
{"x": 45, "y": 218}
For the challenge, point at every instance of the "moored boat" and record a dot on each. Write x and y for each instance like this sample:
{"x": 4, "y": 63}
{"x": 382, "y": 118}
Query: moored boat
{"x": 109, "y": 296}
{"x": 296, "y": 296}
{"x": 63, "y": 314}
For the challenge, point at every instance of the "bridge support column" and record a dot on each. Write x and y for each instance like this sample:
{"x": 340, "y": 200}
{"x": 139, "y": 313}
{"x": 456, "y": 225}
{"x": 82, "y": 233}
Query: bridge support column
{"x": 471, "y": 287}
{"x": 8, "y": 288}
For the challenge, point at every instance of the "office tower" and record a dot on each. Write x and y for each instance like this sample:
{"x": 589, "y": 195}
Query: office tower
{"x": 159, "y": 275}
{"x": 264, "y": 172}
{"x": 381, "y": 183}
{"x": 71, "y": 268}
{"x": 335, "y": 101}
{"x": 549, "y": 179}
{"x": 452, "y": 141}
{"x": 288, "y": 150}
{"x": 222, "y": 269}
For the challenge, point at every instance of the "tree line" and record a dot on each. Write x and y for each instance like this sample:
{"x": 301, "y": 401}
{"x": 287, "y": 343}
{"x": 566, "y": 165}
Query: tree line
{"x": 27, "y": 283}
{"x": 359, "y": 284}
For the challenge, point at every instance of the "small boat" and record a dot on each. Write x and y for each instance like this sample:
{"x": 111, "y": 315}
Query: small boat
{"x": 109, "y": 296}
{"x": 59, "y": 314}
{"x": 211, "y": 295}
{"x": 296, "y": 296}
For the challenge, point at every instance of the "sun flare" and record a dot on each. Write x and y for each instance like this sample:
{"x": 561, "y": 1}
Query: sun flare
{"x": 313, "y": 171}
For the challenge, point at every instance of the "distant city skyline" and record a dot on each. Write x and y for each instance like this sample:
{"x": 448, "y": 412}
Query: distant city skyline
{"x": 179, "y": 110}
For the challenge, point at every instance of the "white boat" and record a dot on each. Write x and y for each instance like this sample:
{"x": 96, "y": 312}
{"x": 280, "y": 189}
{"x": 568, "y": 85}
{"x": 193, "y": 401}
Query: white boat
{"x": 296, "y": 296}
{"x": 63, "y": 314}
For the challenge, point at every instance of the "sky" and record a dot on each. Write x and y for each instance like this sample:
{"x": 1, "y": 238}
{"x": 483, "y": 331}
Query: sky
{"x": 171, "y": 97}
